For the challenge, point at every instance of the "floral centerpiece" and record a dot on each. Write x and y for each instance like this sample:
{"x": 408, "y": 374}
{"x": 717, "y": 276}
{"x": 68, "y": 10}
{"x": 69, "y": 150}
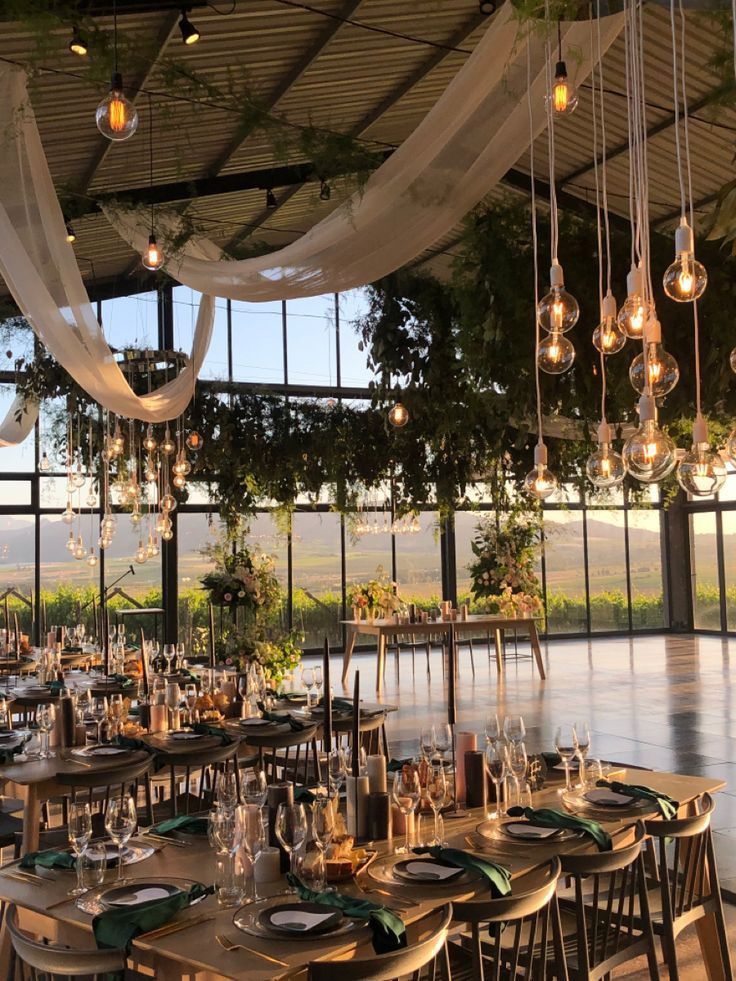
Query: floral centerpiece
{"x": 503, "y": 577}
{"x": 376, "y": 598}
{"x": 243, "y": 579}
{"x": 278, "y": 658}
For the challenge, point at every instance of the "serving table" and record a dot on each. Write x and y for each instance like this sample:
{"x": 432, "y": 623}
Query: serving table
{"x": 382, "y": 630}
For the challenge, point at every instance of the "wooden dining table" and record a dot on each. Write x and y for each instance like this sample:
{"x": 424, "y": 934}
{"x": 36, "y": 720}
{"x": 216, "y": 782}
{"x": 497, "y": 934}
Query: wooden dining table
{"x": 193, "y": 952}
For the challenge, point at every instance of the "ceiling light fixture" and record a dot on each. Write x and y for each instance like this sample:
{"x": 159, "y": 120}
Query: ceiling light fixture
{"x": 271, "y": 201}
{"x": 70, "y": 233}
{"x": 189, "y": 33}
{"x": 324, "y": 190}
{"x": 153, "y": 257}
{"x": 486, "y": 7}
{"x": 561, "y": 96}
{"x": 78, "y": 44}
{"x": 116, "y": 116}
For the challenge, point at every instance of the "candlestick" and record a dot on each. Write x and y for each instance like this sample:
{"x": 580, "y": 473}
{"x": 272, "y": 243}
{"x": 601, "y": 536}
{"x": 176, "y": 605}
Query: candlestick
{"x": 474, "y": 766}
{"x": 17, "y": 633}
{"x": 267, "y": 866}
{"x": 378, "y": 816}
{"x": 159, "y": 718}
{"x": 144, "y": 667}
{"x": 356, "y": 726}
{"x": 212, "y": 636}
{"x": 327, "y": 689}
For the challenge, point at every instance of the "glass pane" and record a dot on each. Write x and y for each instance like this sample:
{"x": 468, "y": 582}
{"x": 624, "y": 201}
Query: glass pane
{"x": 317, "y": 600}
{"x": 15, "y": 492}
{"x": 564, "y": 561}
{"x": 645, "y": 564}
{"x": 465, "y": 529}
{"x": 728, "y": 519}
{"x": 418, "y": 568}
{"x": 185, "y": 310}
{"x": 310, "y": 326}
{"x": 706, "y": 592}
{"x": 728, "y": 491}
{"x": 66, "y": 582}
{"x": 365, "y": 555}
{"x": 258, "y": 342}
{"x": 17, "y": 565}
{"x": 609, "y": 606}
{"x": 354, "y": 370}
{"x": 20, "y": 458}
{"x": 131, "y": 321}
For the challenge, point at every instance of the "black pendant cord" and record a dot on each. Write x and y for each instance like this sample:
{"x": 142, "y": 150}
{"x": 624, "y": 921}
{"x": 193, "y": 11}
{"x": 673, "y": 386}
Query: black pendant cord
{"x": 150, "y": 156}
{"x": 115, "y": 35}
{"x": 559, "y": 39}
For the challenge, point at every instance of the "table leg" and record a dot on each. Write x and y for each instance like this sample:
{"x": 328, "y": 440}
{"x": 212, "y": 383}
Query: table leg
{"x": 498, "y": 638}
{"x": 349, "y": 647}
{"x": 31, "y": 820}
{"x": 534, "y": 640}
{"x": 380, "y": 662}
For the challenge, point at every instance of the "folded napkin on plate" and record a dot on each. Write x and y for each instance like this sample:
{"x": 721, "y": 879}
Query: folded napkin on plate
{"x": 389, "y": 932}
{"x": 49, "y": 859}
{"x": 499, "y": 878}
{"x": 667, "y": 807}
{"x": 394, "y": 766}
{"x": 282, "y": 717}
{"x": 8, "y": 753}
{"x": 341, "y": 704}
{"x": 202, "y": 729}
{"x": 56, "y": 686}
{"x": 123, "y": 680}
{"x": 303, "y": 795}
{"x": 71, "y": 650}
{"x": 118, "y": 927}
{"x": 129, "y": 742}
{"x": 185, "y": 822}
{"x": 545, "y": 817}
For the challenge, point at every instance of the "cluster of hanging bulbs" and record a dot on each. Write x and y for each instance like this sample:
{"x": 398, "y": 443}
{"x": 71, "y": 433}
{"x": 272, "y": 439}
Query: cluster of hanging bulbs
{"x": 374, "y": 517}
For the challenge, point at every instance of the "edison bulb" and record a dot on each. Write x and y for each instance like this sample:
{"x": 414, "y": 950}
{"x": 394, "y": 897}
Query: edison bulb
{"x": 116, "y": 116}
{"x": 79, "y": 550}
{"x": 71, "y": 542}
{"x": 68, "y": 515}
{"x": 141, "y": 555}
{"x": 44, "y": 464}
{"x": 91, "y": 558}
{"x": 398, "y": 415}
{"x": 605, "y": 467}
{"x": 182, "y": 465}
{"x": 179, "y": 480}
{"x": 686, "y": 278}
{"x": 555, "y": 354}
{"x": 153, "y": 257}
{"x": 195, "y": 441}
{"x": 649, "y": 455}
{"x": 558, "y": 310}
{"x": 563, "y": 98}
{"x": 701, "y": 471}
{"x": 540, "y": 482}
{"x": 168, "y": 446}
{"x": 135, "y": 518}
{"x": 732, "y": 360}
{"x": 608, "y": 337}
{"x": 149, "y": 441}
{"x": 168, "y": 502}
{"x": 167, "y": 534}
{"x": 663, "y": 371}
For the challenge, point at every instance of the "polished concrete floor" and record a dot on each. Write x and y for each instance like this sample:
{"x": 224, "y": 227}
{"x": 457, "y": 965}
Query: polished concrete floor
{"x": 663, "y": 701}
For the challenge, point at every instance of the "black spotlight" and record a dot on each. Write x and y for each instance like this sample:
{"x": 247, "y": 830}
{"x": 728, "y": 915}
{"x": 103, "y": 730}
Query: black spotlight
{"x": 70, "y": 233}
{"x": 486, "y": 7}
{"x": 78, "y": 43}
{"x": 271, "y": 202}
{"x": 189, "y": 33}
{"x": 324, "y": 191}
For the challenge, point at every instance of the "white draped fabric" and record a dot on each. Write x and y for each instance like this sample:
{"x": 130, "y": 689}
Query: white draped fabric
{"x": 19, "y": 421}
{"x": 41, "y": 272}
{"x": 476, "y": 131}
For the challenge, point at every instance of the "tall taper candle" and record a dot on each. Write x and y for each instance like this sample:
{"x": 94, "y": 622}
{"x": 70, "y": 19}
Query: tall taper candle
{"x": 17, "y": 633}
{"x": 212, "y": 636}
{"x": 356, "y": 726}
{"x": 144, "y": 669}
{"x": 327, "y": 689}
{"x": 7, "y": 624}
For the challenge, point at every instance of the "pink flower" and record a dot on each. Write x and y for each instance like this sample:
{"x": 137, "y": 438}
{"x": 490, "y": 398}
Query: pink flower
{"x": 227, "y": 597}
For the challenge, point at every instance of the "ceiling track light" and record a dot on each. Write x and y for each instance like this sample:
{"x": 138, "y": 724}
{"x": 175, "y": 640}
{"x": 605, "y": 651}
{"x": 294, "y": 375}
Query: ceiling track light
{"x": 78, "y": 44}
{"x": 70, "y": 233}
{"x": 324, "y": 190}
{"x": 486, "y": 7}
{"x": 189, "y": 33}
{"x": 271, "y": 201}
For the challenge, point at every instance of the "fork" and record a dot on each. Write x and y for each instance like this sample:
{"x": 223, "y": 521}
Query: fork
{"x": 229, "y": 946}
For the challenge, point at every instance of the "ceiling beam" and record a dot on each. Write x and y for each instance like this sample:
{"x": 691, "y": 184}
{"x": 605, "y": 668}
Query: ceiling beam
{"x": 674, "y": 215}
{"x": 664, "y": 124}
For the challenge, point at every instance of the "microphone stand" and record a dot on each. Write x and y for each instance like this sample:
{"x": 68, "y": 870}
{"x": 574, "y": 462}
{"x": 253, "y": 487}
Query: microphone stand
{"x": 104, "y": 615}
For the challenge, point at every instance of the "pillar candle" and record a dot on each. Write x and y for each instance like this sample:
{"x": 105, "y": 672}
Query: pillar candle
{"x": 327, "y": 703}
{"x": 399, "y": 821}
{"x": 159, "y": 718}
{"x": 474, "y": 765}
{"x": 51, "y": 639}
{"x": 357, "y": 805}
{"x": 464, "y": 742}
{"x": 212, "y": 636}
{"x": 267, "y": 865}
{"x": 377, "y": 774}
{"x": 17, "y": 633}
{"x": 378, "y": 815}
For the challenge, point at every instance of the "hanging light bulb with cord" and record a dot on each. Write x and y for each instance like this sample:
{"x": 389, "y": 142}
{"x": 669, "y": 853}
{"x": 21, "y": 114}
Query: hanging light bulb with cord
{"x": 116, "y": 116}
{"x": 540, "y": 482}
{"x": 654, "y": 369}
{"x": 649, "y": 454}
{"x": 701, "y": 472}
{"x": 686, "y": 278}
{"x": 152, "y": 257}
{"x": 605, "y": 467}
{"x": 561, "y": 98}
{"x": 558, "y": 310}
{"x": 555, "y": 353}
{"x": 398, "y": 415}
{"x": 636, "y": 311}
{"x": 608, "y": 337}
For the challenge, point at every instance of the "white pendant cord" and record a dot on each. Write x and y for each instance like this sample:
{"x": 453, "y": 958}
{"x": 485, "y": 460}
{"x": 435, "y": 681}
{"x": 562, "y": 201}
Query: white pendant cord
{"x": 535, "y": 247}
{"x": 604, "y": 164}
{"x": 554, "y": 225}
{"x": 596, "y": 65}
{"x": 676, "y": 106}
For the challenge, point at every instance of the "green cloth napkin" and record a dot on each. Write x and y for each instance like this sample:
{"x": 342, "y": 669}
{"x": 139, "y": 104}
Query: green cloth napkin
{"x": 281, "y": 717}
{"x": 389, "y": 932}
{"x": 71, "y": 650}
{"x": 499, "y": 878}
{"x": 202, "y": 729}
{"x": 49, "y": 859}
{"x": 185, "y": 822}
{"x": 123, "y": 680}
{"x": 394, "y": 766}
{"x": 303, "y": 795}
{"x": 129, "y": 742}
{"x": 341, "y": 704}
{"x": 56, "y": 686}
{"x": 119, "y": 927}
{"x": 545, "y": 817}
{"x": 667, "y": 806}
{"x": 551, "y": 759}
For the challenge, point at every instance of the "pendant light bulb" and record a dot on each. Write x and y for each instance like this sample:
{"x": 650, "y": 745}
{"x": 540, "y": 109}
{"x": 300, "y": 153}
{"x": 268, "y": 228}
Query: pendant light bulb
{"x": 701, "y": 472}
{"x": 44, "y": 464}
{"x": 168, "y": 503}
{"x": 540, "y": 482}
{"x": 194, "y": 441}
{"x": 555, "y": 354}
{"x": 189, "y": 33}
{"x": 636, "y": 312}
{"x": 71, "y": 235}
{"x": 661, "y": 373}
{"x": 649, "y": 455}
{"x": 563, "y": 99}
{"x": 398, "y": 415}
{"x": 686, "y": 278}
{"x": 71, "y": 542}
{"x": 117, "y": 117}
{"x": 605, "y": 467}
{"x": 608, "y": 337}
{"x": 91, "y": 558}
{"x": 153, "y": 257}
{"x": 149, "y": 440}
{"x": 141, "y": 554}
{"x": 486, "y": 7}
{"x": 168, "y": 446}
{"x": 78, "y": 44}
{"x": 558, "y": 310}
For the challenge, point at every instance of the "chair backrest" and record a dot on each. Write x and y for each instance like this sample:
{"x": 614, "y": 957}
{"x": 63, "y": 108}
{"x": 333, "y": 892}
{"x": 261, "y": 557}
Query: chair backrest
{"x": 431, "y": 934}
{"x": 110, "y": 777}
{"x": 49, "y": 959}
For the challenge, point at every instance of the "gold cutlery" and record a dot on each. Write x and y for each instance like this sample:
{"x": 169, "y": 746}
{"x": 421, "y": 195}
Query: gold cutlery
{"x": 27, "y": 879}
{"x": 61, "y": 902}
{"x": 229, "y": 946}
{"x": 165, "y": 841}
{"x": 164, "y": 931}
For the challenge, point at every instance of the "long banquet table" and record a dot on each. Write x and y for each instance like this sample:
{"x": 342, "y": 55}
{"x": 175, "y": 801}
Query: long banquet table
{"x": 193, "y": 953}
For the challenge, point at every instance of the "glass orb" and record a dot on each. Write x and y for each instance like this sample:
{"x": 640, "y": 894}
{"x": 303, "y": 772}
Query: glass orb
{"x": 664, "y": 372}
{"x": 732, "y": 360}
{"x": 195, "y": 441}
{"x": 135, "y": 518}
{"x": 398, "y": 415}
{"x": 168, "y": 502}
{"x": 179, "y": 480}
{"x": 109, "y": 523}
{"x": 558, "y": 311}
{"x": 152, "y": 257}
{"x": 116, "y": 116}
{"x": 71, "y": 542}
{"x": 563, "y": 97}
{"x": 633, "y": 316}
{"x": 141, "y": 554}
{"x": 685, "y": 279}
{"x": 149, "y": 441}
{"x": 44, "y": 464}
{"x": 167, "y": 534}
{"x": 608, "y": 337}
{"x": 649, "y": 455}
{"x": 182, "y": 465}
{"x": 68, "y": 515}
{"x": 555, "y": 354}
{"x": 151, "y": 476}
{"x": 80, "y": 551}
{"x": 605, "y": 467}
{"x": 540, "y": 482}
{"x": 168, "y": 446}
{"x": 91, "y": 559}
{"x": 701, "y": 472}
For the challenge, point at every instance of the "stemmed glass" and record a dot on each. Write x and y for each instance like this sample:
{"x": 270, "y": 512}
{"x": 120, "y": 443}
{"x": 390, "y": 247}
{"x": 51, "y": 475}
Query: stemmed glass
{"x": 308, "y": 682}
{"x": 514, "y": 728}
{"x": 79, "y": 832}
{"x": 254, "y": 841}
{"x": 336, "y": 770}
{"x": 45, "y": 715}
{"x": 81, "y": 633}
{"x": 173, "y": 699}
{"x": 120, "y": 822}
{"x": 494, "y": 730}
{"x": 291, "y": 831}
{"x": 225, "y": 834}
{"x": 323, "y": 827}
{"x": 98, "y": 711}
{"x": 318, "y": 681}
{"x": 226, "y": 793}
{"x": 427, "y": 741}
{"x": 169, "y": 654}
{"x": 407, "y": 792}
{"x": 190, "y": 695}
{"x": 436, "y": 793}
{"x": 121, "y": 634}
{"x": 582, "y": 735}
{"x": 255, "y": 788}
{"x": 443, "y": 738}
{"x": 566, "y": 744}
{"x": 517, "y": 765}
{"x": 497, "y": 762}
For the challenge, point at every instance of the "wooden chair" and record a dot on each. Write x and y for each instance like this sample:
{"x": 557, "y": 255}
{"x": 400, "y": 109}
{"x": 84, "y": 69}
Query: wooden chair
{"x": 275, "y": 753}
{"x": 372, "y": 731}
{"x": 527, "y": 920}
{"x": 182, "y": 766}
{"x": 99, "y": 784}
{"x": 396, "y": 964}
{"x": 688, "y": 882}
{"x": 599, "y": 926}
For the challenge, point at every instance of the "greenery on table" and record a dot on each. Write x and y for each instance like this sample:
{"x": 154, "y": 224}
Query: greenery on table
{"x": 378, "y": 597}
{"x": 503, "y": 576}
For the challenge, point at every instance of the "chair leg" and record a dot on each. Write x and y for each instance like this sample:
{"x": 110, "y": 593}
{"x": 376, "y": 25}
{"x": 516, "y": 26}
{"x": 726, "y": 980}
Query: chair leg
{"x": 472, "y": 660}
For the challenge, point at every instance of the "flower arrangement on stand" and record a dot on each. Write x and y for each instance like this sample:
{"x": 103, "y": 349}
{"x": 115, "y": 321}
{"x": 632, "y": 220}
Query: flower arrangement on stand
{"x": 377, "y": 598}
{"x": 243, "y": 579}
{"x": 503, "y": 577}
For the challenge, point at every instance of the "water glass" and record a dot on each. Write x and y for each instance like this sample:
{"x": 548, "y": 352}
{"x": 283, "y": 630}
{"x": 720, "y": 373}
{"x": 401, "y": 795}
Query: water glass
{"x": 121, "y": 819}
{"x": 566, "y": 744}
{"x": 407, "y": 792}
{"x": 93, "y": 865}
{"x": 291, "y": 831}
{"x": 592, "y": 774}
{"x": 79, "y": 833}
{"x": 497, "y": 763}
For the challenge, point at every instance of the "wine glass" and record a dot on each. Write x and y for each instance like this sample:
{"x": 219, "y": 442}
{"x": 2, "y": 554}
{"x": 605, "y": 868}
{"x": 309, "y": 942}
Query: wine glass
{"x": 494, "y": 731}
{"x": 318, "y": 681}
{"x": 336, "y": 770}
{"x": 427, "y": 741}
{"x": 443, "y": 738}
{"x": 255, "y": 788}
{"x": 291, "y": 831}
{"x": 566, "y": 744}
{"x": 45, "y": 715}
{"x": 79, "y": 833}
{"x": 121, "y": 633}
{"x": 81, "y": 633}
{"x": 436, "y": 793}
{"x": 117, "y": 706}
{"x": 308, "y": 678}
{"x": 227, "y": 789}
{"x": 243, "y": 687}
{"x": 190, "y": 696}
{"x": 173, "y": 699}
{"x": 514, "y": 728}
{"x": 323, "y": 827}
{"x": 407, "y": 792}
{"x": 254, "y": 841}
{"x": 497, "y": 763}
{"x": 169, "y": 654}
{"x": 517, "y": 765}
{"x": 120, "y": 822}
{"x": 582, "y": 732}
